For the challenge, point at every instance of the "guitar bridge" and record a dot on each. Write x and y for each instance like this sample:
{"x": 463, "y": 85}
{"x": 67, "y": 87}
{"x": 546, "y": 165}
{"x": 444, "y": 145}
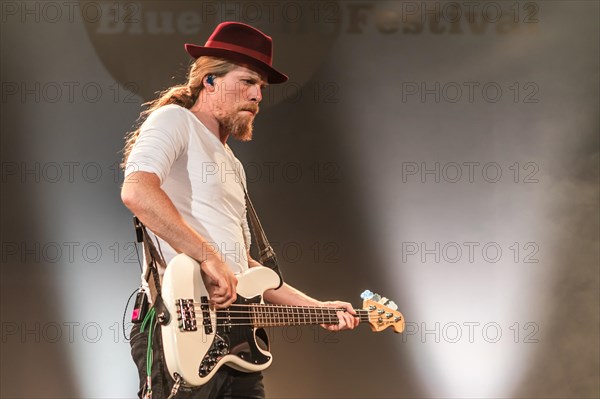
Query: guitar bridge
{"x": 186, "y": 315}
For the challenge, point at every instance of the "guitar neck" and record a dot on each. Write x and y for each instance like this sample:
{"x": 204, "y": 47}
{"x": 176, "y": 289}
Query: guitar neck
{"x": 266, "y": 315}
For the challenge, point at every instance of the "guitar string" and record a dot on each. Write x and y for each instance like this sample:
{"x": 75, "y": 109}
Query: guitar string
{"x": 271, "y": 324}
{"x": 261, "y": 319}
{"x": 283, "y": 308}
{"x": 262, "y": 315}
{"x": 289, "y": 320}
{"x": 290, "y": 308}
{"x": 293, "y": 316}
{"x": 284, "y": 323}
{"x": 364, "y": 317}
{"x": 259, "y": 325}
{"x": 247, "y": 308}
{"x": 267, "y": 323}
{"x": 253, "y": 312}
{"x": 276, "y": 306}
{"x": 268, "y": 311}
{"x": 268, "y": 307}
{"x": 276, "y": 311}
{"x": 305, "y": 322}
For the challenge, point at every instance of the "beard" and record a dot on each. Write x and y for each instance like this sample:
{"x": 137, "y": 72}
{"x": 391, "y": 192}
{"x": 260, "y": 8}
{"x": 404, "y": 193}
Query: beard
{"x": 239, "y": 125}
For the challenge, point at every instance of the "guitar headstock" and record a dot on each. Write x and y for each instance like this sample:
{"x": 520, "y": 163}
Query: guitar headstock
{"x": 382, "y": 312}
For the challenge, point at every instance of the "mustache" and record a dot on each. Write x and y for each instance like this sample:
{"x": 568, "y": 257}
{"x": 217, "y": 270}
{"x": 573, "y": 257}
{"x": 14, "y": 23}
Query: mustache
{"x": 250, "y": 107}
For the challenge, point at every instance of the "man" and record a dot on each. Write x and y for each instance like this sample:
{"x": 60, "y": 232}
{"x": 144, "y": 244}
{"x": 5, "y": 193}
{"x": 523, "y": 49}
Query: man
{"x": 185, "y": 184}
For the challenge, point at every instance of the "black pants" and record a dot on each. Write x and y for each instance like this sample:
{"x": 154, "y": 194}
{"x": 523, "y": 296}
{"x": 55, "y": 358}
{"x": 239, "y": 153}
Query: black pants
{"x": 227, "y": 383}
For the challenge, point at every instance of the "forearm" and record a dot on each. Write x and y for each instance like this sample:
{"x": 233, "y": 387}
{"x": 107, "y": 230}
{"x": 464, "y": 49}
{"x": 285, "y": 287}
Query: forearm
{"x": 143, "y": 196}
{"x": 286, "y": 294}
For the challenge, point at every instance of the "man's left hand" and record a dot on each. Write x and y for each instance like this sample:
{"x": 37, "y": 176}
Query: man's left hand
{"x": 347, "y": 319}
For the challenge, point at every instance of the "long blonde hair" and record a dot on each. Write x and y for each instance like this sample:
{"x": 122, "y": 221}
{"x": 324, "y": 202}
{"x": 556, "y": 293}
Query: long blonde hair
{"x": 184, "y": 95}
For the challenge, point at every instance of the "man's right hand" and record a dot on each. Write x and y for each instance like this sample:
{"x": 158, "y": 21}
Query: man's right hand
{"x": 219, "y": 280}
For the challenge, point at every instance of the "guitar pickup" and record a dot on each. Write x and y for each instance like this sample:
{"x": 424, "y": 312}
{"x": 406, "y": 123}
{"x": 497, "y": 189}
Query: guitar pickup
{"x": 224, "y": 324}
{"x": 205, "y": 308}
{"x": 186, "y": 315}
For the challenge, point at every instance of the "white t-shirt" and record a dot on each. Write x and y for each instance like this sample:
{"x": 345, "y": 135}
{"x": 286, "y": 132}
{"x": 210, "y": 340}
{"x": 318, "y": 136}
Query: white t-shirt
{"x": 201, "y": 176}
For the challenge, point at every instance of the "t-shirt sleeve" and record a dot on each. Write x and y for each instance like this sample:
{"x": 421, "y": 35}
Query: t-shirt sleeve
{"x": 162, "y": 140}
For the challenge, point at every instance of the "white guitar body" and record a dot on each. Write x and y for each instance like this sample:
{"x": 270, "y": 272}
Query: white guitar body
{"x": 195, "y": 345}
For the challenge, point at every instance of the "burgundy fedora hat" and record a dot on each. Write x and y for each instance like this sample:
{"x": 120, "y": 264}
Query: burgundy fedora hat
{"x": 240, "y": 43}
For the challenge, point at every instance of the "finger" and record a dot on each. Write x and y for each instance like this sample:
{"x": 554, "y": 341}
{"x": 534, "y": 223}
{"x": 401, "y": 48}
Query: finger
{"x": 223, "y": 296}
{"x": 229, "y": 280}
{"x": 233, "y": 284}
{"x": 349, "y": 308}
{"x": 350, "y": 321}
{"x": 233, "y": 298}
{"x": 230, "y": 294}
{"x": 354, "y": 320}
{"x": 342, "y": 320}
{"x": 217, "y": 302}
{"x": 222, "y": 302}
{"x": 344, "y": 317}
{"x": 219, "y": 291}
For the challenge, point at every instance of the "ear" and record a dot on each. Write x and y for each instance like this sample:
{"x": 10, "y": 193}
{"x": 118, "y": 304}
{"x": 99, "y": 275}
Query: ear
{"x": 209, "y": 82}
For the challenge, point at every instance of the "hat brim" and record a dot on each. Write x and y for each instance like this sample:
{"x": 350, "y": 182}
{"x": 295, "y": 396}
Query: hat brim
{"x": 273, "y": 75}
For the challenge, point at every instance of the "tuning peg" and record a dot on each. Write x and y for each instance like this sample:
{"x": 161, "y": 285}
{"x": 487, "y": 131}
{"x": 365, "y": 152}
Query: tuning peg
{"x": 366, "y": 295}
{"x": 392, "y": 305}
{"x": 376, "y": 297}
{"x": 383, "y": 300}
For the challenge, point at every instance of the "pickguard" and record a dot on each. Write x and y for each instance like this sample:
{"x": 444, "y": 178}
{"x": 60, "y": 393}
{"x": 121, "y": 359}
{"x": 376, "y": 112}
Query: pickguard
{"x": 235, "y": 335}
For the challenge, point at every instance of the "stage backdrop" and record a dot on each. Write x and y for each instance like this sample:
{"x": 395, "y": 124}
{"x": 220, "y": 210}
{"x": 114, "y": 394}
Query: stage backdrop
{"x": 441, "y": 154}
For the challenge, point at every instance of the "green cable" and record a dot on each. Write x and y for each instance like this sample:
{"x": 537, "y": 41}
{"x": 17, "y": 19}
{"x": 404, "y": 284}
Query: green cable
{"x": 149, "y": 322}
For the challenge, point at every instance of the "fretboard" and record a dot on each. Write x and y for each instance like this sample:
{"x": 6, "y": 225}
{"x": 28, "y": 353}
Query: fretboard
{"x": 281, "y": 315}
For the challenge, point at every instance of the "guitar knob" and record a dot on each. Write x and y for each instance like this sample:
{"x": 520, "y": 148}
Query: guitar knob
{"x": 221, "y": 345}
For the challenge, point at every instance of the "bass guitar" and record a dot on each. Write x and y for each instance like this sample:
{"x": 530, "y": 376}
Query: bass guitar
{"x": 198, "y": 340}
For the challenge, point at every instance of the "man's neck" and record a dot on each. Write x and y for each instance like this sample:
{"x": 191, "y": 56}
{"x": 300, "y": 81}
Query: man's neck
{"x": 200, "y": 110}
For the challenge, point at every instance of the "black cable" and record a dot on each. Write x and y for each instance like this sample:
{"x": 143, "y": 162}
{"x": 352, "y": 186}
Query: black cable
{"x": 133, "y": 293}
{"x": 125, "y": 312}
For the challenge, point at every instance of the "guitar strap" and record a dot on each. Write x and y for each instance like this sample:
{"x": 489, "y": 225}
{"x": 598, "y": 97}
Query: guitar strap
{"x": 153, "y": 258}
{"x": 266, "y": 253}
